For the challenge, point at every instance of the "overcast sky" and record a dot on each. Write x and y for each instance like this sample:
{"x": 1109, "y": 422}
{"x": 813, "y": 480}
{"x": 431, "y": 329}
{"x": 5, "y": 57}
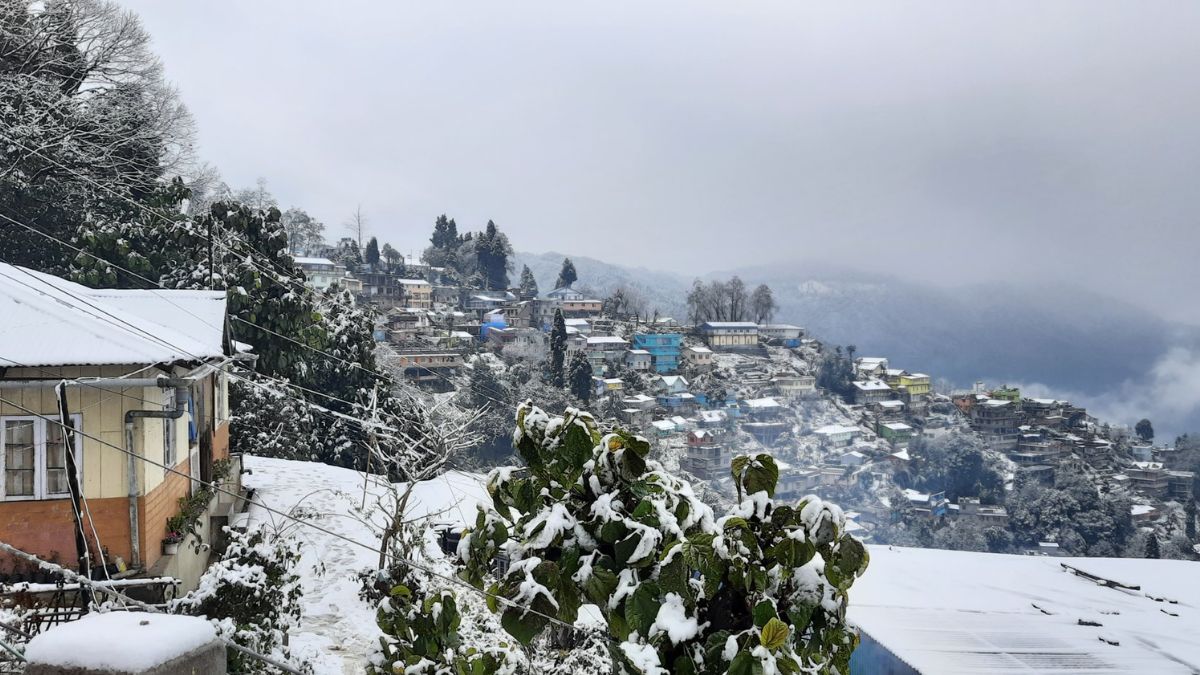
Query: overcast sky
{"x": 944, "y": 141}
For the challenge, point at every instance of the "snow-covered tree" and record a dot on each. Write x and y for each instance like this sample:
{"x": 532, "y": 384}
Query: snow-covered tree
{"x": 579, "y": 377}
{"x": 566, "y": 275}
{"x": 371, "y": 256}
{"x": 762, "y": 304}
{"x": 529, "y": 287}
{"x": 591, "y": 520}
{"x": 306, "y": 235}
{"x": 558, "y": 349}
{"x": 252, "y": 596}
{"x": 91, "y": 126}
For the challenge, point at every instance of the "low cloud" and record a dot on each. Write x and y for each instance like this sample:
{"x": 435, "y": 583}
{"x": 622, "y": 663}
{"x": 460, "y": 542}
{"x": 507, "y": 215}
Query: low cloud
{"x": 1169, "y": 396}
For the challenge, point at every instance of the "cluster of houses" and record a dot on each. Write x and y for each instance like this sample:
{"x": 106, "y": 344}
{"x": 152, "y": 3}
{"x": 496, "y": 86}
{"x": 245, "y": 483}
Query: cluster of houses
{"x": 1042, "y": 436}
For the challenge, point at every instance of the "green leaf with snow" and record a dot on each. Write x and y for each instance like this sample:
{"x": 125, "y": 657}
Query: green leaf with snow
{"x": 764, "y": 612}
{"x": 762, "y": 475}
{"x": 642, "y": 607}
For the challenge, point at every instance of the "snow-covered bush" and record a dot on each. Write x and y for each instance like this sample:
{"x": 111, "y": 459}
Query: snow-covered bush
{"x": 427, "y": 629}
{"x": 591, "y": 520}
{"x": 252, "y": 596}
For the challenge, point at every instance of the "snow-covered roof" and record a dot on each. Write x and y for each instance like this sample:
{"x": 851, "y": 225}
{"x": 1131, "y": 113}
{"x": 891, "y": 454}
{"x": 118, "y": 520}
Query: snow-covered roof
{"x": 698, "y": 350}
{"x": 304, "y": 260}
{"x": 915, "y": 496}
{"x": 713, "y": 415}
{"x": 672, "y": 380}
{"x": 902, "y": 455}
{"x": 1140, "y": 509}
{"x": 890, "y": 404}
{"x": 412, "y": 282}
{"x": 606, "y": 340}
{"x": 663, "y": 425}
{"x": 897, "y": 426}
{"x": 575, "y": 322}
{"x": 639, "y": 352}
{"x": 729, "y": 324}
{"x": 963, "y": 612}
{"x": 49, "y": 321}
{"x": 761, "y": 403}
{"x": 834, "y": 429}
{"x": 871, "y": 385}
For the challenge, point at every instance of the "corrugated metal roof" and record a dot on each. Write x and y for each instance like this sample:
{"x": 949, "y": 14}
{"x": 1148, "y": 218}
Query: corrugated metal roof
{"x": 48, "y": 321}
{"x": 959, "y": 612}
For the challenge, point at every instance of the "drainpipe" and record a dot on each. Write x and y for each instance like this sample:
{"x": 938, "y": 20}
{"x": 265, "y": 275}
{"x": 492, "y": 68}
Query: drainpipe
{"x": 181, "y": 398}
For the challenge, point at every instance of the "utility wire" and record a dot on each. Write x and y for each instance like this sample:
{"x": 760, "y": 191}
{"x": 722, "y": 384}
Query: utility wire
{"x": 424, "y": 568}
{"x": 496, "y": 397}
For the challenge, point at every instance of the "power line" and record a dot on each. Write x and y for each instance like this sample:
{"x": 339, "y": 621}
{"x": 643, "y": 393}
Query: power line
{"x": 496, "y": 397}
{"x": 151, "y": 211}
{"x": 434, "y": 573}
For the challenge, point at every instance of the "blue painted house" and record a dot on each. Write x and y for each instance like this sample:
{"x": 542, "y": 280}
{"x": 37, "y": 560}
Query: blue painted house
{"x": 663, "y": 347}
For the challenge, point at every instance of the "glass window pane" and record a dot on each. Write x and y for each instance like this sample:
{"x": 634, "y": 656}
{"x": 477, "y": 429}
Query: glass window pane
{"x": 56, "y": 481}
{"x": 18, "y": 458}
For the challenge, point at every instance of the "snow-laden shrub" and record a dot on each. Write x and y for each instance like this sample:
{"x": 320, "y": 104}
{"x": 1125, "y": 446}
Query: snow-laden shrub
{"x": 427, "y": 628}
{"x": 590, "y": 520}
{"x": 252, "y": 596}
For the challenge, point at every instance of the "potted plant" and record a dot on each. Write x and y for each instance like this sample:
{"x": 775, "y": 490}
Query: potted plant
{"x": 170, "y": 543}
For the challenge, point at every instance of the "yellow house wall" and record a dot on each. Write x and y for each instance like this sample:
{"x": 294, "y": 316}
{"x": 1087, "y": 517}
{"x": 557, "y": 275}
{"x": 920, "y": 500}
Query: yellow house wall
{"x": 103, "y": 413}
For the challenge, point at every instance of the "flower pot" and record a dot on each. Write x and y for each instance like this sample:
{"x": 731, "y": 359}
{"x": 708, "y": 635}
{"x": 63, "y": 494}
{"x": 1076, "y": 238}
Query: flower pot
{"x": 170, "y": 547}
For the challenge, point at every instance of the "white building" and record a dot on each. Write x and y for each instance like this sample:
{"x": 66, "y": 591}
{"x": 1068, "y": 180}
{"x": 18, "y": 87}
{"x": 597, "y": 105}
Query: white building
{"x": 323, "y": 273}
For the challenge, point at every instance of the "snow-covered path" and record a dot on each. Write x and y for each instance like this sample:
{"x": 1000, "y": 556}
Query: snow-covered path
{"x": 338, "y": 630}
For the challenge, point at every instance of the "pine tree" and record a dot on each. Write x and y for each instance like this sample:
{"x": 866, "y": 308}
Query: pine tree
{"x": 1152, "y": 547}
{"x": 558, "y": 348}
{"x": 1189, "y": 525}
{"x": 529, "y": 287}
{"x": 581, "y": 377}
{"x": 372, "y": 254}
{"x": 567, "y": 275}
{"x": 492, "y": 251}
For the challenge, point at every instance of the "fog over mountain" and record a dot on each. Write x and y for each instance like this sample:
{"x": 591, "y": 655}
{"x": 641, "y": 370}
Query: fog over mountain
{"x": 1123, "y": 362}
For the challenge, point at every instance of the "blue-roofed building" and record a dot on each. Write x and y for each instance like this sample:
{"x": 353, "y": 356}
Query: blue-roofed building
{"x": 663, "y": 347}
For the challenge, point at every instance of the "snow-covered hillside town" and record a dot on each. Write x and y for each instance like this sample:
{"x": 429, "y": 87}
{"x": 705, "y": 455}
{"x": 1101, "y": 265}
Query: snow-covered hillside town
{"x": 292, "y": 380}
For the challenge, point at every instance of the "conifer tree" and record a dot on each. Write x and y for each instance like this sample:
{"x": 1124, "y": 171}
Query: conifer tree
{"x": 372, "y": 253}
{"x": 529, "y": 287}
{"x": 567, "y": 275}
{"x": 580, "y": 377}
{"x": 1152, "y": 550}
{"x": 558, "y": 348}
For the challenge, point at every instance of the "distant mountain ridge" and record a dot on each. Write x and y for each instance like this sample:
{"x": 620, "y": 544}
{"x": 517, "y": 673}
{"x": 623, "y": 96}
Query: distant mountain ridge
{"x": 1067, "y": 340}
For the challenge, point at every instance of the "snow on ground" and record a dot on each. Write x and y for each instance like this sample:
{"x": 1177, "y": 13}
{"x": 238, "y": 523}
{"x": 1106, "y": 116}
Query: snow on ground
{"x": 959, "y": 612}
{"x": 338, "y": 630}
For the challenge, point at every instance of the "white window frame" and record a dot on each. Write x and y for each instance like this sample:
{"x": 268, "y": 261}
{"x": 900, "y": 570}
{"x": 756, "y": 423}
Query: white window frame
{"x": 40, "y": 437}
{"x": 170, "y": 435}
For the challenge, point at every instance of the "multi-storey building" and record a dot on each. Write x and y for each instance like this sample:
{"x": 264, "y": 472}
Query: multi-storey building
{"x": 663, "y": 348}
